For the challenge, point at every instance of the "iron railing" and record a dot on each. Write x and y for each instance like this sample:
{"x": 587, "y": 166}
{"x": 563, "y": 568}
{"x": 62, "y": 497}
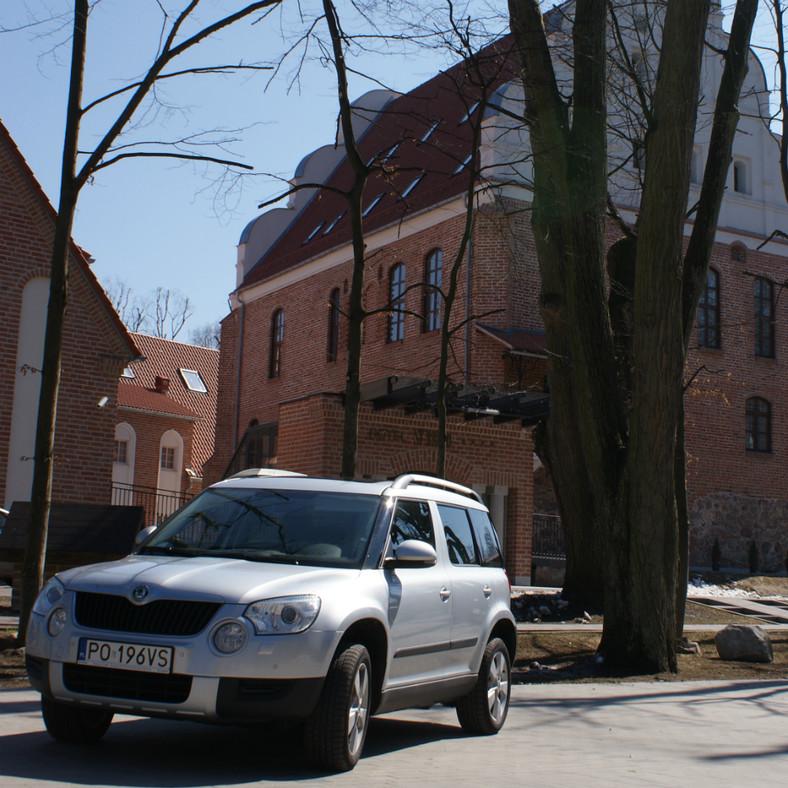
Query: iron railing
{"x": 158, "y": 504}
{"x": 548, "y": 536}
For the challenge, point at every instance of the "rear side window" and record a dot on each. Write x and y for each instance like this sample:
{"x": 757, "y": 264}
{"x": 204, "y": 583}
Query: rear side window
{"x": 459, "y": 535}
{"x": 486, "y": 538}
{"x": 412, "y": 521}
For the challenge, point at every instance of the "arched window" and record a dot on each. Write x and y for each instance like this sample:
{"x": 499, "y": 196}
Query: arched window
{"x": 759, "y": 425}
{"x": 334, "y": 315}
{"x": 433, "y": 274}
{"x": 396, "y": 330}
{"x": 763, "y": 292}
{"x": 277, "y": 337}
{"x": 709, "y": 312}
{"x": 740, "y": 179}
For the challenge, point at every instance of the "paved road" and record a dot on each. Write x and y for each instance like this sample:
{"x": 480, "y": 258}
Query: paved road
{"x": 569, "y": 735}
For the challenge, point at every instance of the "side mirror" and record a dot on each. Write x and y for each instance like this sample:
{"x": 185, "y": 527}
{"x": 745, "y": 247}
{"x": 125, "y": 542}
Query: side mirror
{"x": 143, "y": 535}
{"x": 412, "y": 553}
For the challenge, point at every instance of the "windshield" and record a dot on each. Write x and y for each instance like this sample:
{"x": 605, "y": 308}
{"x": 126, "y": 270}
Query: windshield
{"x": 285, "y": 526}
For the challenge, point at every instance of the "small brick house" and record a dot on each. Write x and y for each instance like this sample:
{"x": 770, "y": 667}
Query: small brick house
{"x": 96, "y": 349}
{"x": 282, "y": 362}
{"x": 164, "y": 432}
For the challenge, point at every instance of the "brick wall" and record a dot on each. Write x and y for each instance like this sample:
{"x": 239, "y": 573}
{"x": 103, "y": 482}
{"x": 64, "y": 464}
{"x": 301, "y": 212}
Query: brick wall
{"x": 94, "y": 353}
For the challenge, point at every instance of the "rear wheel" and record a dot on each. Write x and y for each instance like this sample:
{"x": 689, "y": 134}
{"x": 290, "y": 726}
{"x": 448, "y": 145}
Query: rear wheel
{"x": 483, "y": 710}
{"x": 74, "y": 723}
{"x": 336, "y": 731}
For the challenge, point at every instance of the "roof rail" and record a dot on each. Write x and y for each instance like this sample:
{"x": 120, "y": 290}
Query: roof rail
{"x": 249, "y": 473}
{"x": 404, "y": 479}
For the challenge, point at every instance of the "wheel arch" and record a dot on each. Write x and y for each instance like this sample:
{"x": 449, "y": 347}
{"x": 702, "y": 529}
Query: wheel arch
{"x": 370, "y": 633}
{"x": 507, "y": 632}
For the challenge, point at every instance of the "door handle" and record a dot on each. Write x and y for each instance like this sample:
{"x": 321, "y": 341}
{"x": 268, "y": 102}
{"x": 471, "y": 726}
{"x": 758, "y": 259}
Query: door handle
{"x": 445, "y": 593}
{"x": 487, "y": 591}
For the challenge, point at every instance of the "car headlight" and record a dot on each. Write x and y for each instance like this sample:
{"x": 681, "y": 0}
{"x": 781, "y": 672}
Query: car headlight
{"x": 284, "y": 615}
{"x": 50, "y": 595}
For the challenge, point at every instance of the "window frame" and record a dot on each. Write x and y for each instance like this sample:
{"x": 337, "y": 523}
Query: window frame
{"x": 758, "y": 425}
{"x": 708, "y": 317}
{"x": 395, "y": 329}
{"x": 334, "y": 324}
{"x": 763, "y": 308}
{"x": 433, "y": 279}
{"x": 277, "y": 340}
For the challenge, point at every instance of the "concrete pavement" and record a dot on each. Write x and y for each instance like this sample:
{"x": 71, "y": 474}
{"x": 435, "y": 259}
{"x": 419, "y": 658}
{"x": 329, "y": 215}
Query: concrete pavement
{"x": 585, "y": 735}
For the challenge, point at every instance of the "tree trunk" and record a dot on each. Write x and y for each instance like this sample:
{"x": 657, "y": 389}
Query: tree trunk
{"x": 41, "y": 493}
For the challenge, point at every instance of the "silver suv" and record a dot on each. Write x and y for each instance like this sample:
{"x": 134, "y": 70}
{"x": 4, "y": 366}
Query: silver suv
{"x": 275, "y": 596}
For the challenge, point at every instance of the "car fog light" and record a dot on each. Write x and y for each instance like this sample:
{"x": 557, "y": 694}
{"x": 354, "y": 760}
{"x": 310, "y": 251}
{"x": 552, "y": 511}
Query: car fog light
{"x": 230, "y": 637}
{"x": 57, "y": 621}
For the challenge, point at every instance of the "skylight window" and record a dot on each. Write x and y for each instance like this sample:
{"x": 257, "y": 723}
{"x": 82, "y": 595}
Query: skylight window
{"x": 469, "y": 113}
{"x": 411, "y": 187}
{"x": 464, "y": 164}
{"x": 333, "y": 224}
{"x": 430, "y": 130}
{"x": 314, "y": 233}
{"x": 193, "y": 381}
{"x": 128, "y": 373}
{"x": 373, "y": 203}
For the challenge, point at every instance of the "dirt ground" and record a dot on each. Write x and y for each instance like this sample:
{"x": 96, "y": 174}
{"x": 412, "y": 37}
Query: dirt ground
{"x": 570, "y": 656}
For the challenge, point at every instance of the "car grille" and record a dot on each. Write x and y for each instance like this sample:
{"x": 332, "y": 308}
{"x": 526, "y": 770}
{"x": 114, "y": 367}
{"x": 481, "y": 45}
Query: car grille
{"x": 161, "y": 617}
{"x": 128, "y": 684}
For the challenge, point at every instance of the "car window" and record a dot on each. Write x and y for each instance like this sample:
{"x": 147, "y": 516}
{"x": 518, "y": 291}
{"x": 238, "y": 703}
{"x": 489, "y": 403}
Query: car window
{"x": 459, "y": 535}
{"x": 486, "y": 538}
{"x": 412, "y": 520}
{"x": 292, "y": 526}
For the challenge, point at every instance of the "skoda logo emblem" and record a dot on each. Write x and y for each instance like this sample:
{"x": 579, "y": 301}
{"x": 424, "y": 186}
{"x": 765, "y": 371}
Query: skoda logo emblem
{"x": 140, "y": 593}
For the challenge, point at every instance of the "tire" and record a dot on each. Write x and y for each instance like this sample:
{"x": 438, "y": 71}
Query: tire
{"x": 74, "y": 723}
{"x": 482, "y": 712}
{"x": 337, "y": 728}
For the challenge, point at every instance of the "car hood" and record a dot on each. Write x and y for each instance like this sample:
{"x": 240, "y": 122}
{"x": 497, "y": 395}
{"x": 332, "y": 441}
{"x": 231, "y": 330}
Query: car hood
{"x": 227, "y": 580}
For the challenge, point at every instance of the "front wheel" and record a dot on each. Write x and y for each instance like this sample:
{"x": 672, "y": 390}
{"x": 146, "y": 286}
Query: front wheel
{"x": 336, "y": 731}
{"x": 483, "y": 710}
{"x": 74, "y": 723}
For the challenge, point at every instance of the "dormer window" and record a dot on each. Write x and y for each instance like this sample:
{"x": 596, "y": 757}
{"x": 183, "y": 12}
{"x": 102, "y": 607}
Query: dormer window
{"x": 128, "y": 373}
{"x": 193, "y": 381}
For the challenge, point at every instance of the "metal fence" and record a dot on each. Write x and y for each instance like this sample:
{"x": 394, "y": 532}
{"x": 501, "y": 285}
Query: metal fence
{"x": 548, "y": 536}
{"x": 158, "y": 504}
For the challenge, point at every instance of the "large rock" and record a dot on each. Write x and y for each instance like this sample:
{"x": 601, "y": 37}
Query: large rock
{"x": 744, "y": 643}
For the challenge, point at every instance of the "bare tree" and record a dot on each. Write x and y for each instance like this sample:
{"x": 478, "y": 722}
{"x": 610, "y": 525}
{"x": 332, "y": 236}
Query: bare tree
{"x": 174, "y": 43}
{"x": 611, "y": 444}
{"x": 207, "y": 335}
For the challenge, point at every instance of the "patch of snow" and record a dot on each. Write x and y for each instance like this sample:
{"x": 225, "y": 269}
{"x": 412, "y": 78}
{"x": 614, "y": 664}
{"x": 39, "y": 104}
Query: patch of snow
{"x": 697, "y": 587}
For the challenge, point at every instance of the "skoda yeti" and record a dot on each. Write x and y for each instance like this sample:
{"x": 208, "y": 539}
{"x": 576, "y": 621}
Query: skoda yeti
{"x": 272, "y": 596}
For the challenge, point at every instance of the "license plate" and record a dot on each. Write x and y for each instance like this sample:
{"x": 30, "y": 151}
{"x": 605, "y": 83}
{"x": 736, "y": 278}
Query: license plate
{"x": 132, "y": 656}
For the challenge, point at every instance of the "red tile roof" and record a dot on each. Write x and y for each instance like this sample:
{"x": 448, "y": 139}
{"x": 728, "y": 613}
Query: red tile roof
{"x": 446, "y": 100}
{"x": 164, "y": 358}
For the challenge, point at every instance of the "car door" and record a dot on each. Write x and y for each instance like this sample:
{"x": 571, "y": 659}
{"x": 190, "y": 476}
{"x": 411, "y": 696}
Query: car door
{"x": 419, "y": 602}
{"x": 473, "y": 588}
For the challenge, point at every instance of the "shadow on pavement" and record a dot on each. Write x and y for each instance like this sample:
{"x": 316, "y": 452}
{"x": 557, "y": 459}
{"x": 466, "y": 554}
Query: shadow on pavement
{"x": 165, "y": 754}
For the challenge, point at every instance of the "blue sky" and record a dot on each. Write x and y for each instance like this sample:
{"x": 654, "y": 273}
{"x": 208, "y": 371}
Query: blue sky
{"x": 156, "y": 223}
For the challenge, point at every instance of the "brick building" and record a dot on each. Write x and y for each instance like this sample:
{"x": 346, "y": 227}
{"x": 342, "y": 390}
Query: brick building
{"x": 164, "y": 432}
{"x": 96, "y": 348}
{"x": 282, "y": 364}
